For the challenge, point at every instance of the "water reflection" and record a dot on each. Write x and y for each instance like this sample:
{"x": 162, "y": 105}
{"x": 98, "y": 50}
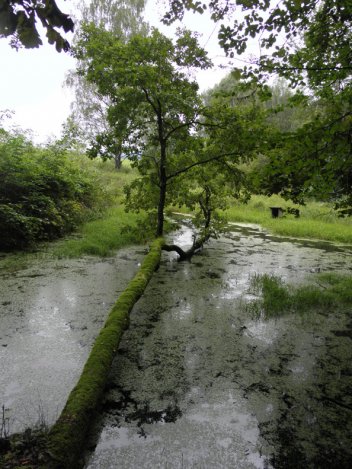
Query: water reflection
{"x": 245, "y": 393}
{"x": 49, "y": 316}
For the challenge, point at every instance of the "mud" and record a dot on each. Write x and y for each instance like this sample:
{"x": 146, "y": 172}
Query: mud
{"x": 197, "y": 383}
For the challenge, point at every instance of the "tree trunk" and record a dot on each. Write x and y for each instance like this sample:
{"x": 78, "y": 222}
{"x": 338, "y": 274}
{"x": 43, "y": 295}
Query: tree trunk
{"x": 161, "y": 206}
{"x": 118, "y": 161}
{"x": 118, "y": 157}
{"x": 162, "y": 183}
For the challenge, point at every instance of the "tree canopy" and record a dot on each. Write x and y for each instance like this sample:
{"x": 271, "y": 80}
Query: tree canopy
{"x": 153, "y": 102}
{"x": 309, "y": 43}
{"x": 176, "y": 141}
{"x": 18, "y": 21}
{"x": 326, "y": 25}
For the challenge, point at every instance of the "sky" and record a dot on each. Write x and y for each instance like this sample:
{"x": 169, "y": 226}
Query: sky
{"x": 31, "y": 80}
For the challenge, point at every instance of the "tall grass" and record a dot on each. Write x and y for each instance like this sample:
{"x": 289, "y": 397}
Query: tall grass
{"x": 328, "y": 291}
{"x": 317, "y": 220}
{"x": 111, "y": 180}
{"x": 114, "y": 230}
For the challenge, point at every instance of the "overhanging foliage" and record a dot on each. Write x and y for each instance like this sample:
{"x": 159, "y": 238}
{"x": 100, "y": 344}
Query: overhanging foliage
{"x": 18, "y": 20}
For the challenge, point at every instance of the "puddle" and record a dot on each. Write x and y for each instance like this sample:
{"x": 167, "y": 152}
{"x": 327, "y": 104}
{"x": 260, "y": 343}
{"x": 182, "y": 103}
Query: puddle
{"x": 197, "y": 383}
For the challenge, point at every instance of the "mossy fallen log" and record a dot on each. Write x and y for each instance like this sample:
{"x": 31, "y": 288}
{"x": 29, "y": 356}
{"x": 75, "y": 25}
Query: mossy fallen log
{"x": 67, "y": 436}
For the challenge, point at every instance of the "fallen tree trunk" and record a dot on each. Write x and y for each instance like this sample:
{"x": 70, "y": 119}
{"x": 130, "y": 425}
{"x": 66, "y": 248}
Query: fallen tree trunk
{"x": 67, "y": 436}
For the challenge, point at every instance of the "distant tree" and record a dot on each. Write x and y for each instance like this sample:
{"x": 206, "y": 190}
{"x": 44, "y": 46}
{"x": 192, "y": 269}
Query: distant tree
{"x": 121, "y": 17}
{"x": 18, "y": 20}
{"x": 89, "y": 109}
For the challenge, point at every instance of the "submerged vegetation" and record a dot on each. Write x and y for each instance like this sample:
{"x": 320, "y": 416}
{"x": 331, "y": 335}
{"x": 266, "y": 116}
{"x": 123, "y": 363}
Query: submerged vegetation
{"x": 276, "y": 298}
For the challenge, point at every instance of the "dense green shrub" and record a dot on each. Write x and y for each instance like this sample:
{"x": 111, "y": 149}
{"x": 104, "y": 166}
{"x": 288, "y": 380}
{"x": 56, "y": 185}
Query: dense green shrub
{"x": 44, "y": 193}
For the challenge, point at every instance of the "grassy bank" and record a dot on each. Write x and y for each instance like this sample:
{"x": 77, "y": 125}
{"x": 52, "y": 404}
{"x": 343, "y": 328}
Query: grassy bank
{"x": 316, "y": 220}
{"x": 106, "y": 229}
{"x": 113, "y": 230}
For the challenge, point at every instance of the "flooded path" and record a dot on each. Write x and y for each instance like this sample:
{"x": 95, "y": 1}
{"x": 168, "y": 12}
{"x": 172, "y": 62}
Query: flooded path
{"x": 50, "y": 314}
{"x": 198, "y": 383}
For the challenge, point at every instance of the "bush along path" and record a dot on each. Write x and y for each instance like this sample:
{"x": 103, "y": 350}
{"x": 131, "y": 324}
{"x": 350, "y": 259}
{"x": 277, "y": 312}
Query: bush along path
{"x": 62, "y": 447}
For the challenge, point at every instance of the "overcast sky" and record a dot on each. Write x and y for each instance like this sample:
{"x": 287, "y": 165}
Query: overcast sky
{"x": 31, "y": 80}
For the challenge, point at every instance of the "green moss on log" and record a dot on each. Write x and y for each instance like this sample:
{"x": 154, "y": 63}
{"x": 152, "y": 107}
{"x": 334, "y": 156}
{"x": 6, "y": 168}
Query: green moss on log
{"x": 67, "y": 436}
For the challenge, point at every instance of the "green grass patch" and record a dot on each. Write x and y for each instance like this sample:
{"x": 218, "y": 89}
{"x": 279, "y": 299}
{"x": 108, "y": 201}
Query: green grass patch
{"x": 113, "y": 181}
{"x": 276, "y": 298}
{"x": 111, "y": 228}
{"x": 114, "y": 230}
{"x": 317, "y": 220}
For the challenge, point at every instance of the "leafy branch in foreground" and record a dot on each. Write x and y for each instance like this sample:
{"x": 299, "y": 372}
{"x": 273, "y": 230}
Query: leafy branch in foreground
{"x": 18, "y": 20}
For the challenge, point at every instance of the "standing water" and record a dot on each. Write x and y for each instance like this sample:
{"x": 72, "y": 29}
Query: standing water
{"x": 50, "y": 313}
{"x": 200, "y": 383}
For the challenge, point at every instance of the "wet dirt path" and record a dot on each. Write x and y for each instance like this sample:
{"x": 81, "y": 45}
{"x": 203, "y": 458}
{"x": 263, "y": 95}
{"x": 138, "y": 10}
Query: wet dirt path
{"x": 50, "y": 313}
{"x": 198, "y": 383}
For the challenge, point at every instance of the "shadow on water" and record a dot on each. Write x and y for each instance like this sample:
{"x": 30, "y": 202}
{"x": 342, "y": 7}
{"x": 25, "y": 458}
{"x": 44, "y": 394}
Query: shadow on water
{"x": 199, "y": 383}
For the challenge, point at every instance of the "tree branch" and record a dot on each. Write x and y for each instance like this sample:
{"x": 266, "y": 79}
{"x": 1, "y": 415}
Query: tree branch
{"x": 186, "y": 255}
{"x": 149, "y": 100}
{"x": 198, "y": 163}
{"x": 175, "y": 129}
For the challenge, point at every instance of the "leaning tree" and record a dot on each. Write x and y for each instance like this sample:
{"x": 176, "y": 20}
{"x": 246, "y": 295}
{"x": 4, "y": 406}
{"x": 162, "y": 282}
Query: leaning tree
{"x": 155, "y": 106}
